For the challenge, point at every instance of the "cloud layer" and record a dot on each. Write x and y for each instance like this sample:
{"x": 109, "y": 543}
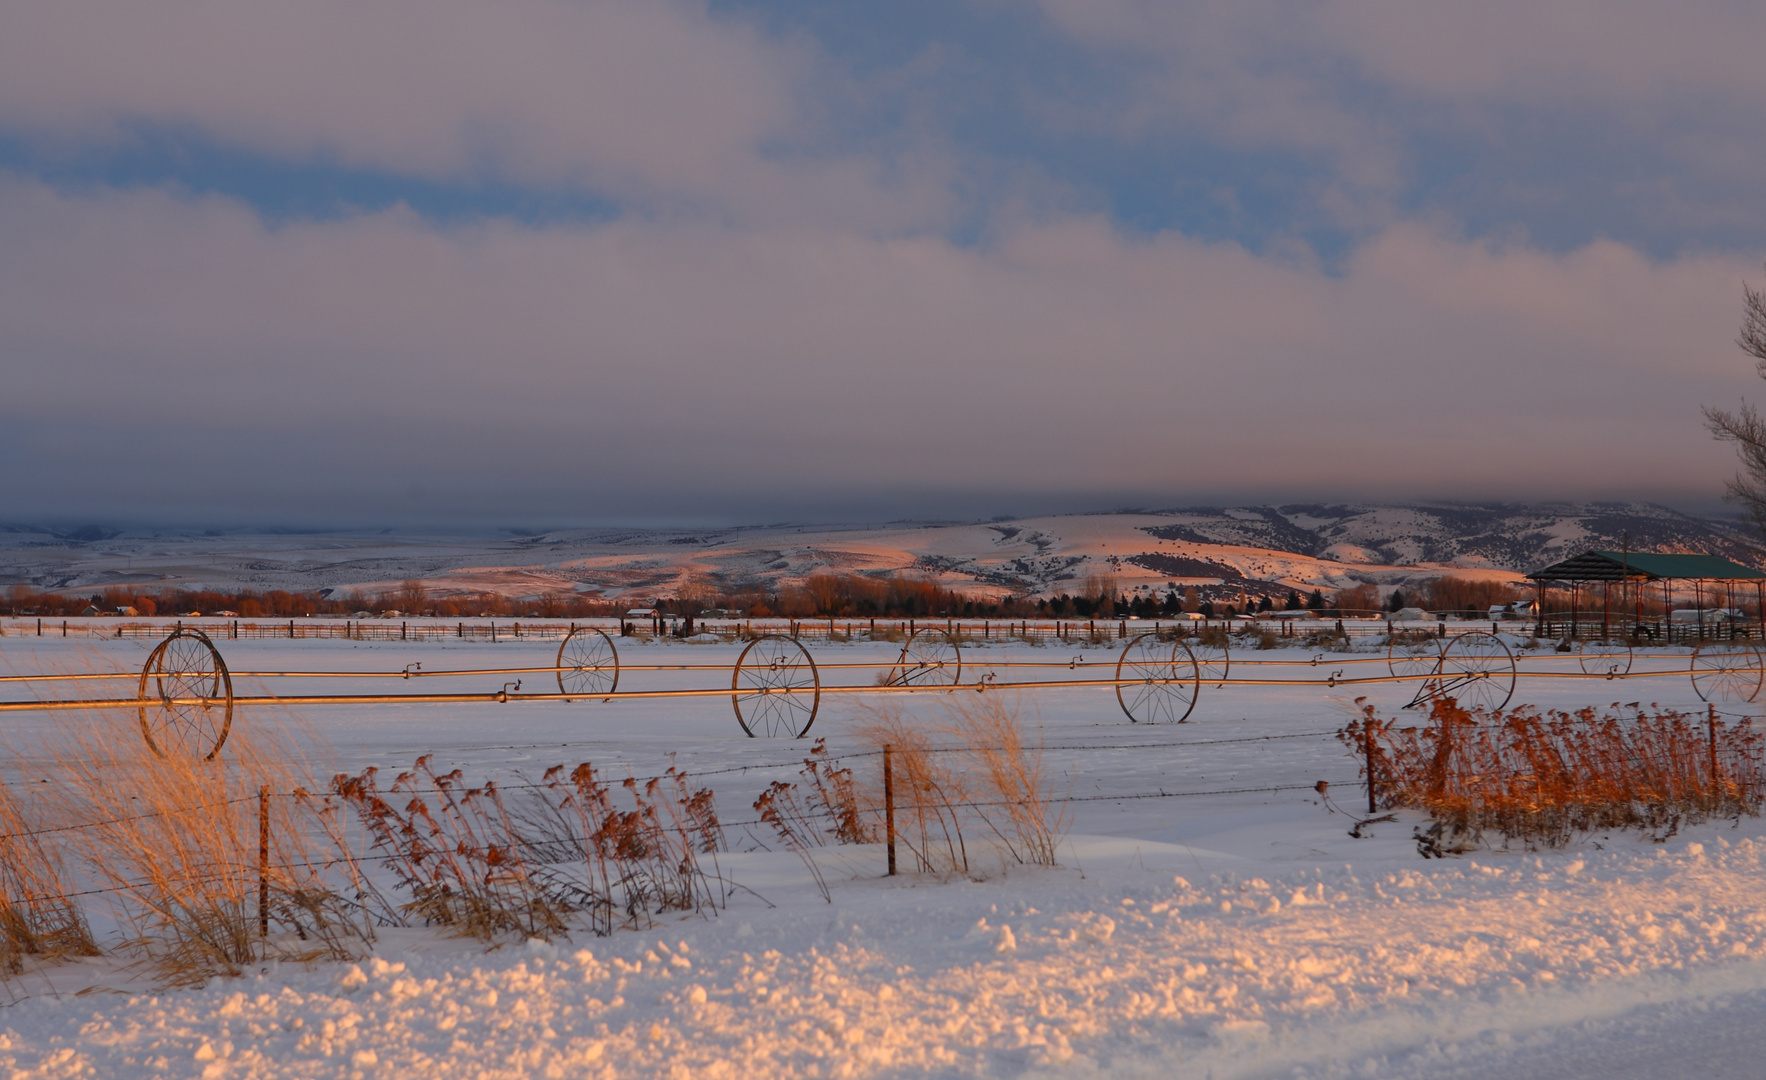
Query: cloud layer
{"x": 783, "y": 306}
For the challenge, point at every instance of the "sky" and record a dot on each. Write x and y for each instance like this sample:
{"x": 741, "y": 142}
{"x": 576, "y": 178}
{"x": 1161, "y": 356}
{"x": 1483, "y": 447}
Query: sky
{"x": 560, "y": 263}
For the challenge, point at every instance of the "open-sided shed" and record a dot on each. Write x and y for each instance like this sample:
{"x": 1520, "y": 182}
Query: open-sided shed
{"x": 1632, "y": 571}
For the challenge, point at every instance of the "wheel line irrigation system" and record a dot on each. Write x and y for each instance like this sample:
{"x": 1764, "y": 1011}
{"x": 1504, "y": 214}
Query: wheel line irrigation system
{"x": 185, "y": 699}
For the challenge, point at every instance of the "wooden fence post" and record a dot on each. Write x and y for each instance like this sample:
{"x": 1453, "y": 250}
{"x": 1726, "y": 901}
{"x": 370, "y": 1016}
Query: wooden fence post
{"x": 889, "y": 805}
{"x": 1367, "y": 745}
{"x": 264, "y": 861}
{"x": 1711, "y": 724}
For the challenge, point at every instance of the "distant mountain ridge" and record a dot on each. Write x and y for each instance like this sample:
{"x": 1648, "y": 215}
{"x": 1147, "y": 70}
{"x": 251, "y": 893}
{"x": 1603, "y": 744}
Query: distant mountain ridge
{"x": 1495, "y": 536}
{"x": 1226, "y": 550}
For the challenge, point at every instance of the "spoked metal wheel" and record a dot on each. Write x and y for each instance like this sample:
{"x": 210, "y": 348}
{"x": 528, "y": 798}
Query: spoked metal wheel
{"x": 775, "y": 688}
{"x": 1213, "y": 661}
{"x": 930, "y": 658}
{"x": 1727, "y": 673}
{"x": 1478, "y": 671}
{"x": 1157, "y": 682}
{"x": 588, "y": 664}
{"x": 1413, "y": 657}
{"x": 1609, "y": 658}
{"x": 194, "y": 691}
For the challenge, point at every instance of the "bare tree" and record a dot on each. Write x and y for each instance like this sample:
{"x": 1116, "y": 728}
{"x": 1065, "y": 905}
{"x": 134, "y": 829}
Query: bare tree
{"x": 412, "y": 598}
{"x": 1746, "y": 427}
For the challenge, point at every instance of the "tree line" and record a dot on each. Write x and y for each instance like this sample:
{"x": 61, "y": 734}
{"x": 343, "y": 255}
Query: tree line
{"x": 818, "y": 596}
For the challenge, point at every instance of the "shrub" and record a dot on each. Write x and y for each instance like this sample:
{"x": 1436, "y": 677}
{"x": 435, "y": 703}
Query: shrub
{"x": 1543, "y": 778}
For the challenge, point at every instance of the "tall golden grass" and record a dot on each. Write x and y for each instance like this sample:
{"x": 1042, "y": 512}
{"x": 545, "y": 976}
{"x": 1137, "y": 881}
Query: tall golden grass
{"x": 970, "y": 767}
{"x": 172, "y": 846}
{"x": 1545, "y": 778}
{"x": 1015, "y": 798}
{"x": 38, "y": 918}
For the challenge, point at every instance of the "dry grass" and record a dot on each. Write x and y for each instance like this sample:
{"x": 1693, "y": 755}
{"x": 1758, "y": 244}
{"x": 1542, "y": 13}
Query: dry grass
{"x": 970, "y": 768}
{"x": 828, "y": 807}
{"x": 835, "y": 794}
{"x": 1215, "y": 636}
{"x": 1015, "y": 800}
{"x": 1329, "y": 638}
{"x": 454, "y": 848}
{"x": 645, "y": 859}
{"x": 484, "y": 862}
{"x": 1545, "y": 778}
{"x": 175, "y": 844}
{"x": 1262, "y": 638}
{"x": 37, "y": 919}
{"x": 1410, "y": 638}
{"x": 930, "y": 792}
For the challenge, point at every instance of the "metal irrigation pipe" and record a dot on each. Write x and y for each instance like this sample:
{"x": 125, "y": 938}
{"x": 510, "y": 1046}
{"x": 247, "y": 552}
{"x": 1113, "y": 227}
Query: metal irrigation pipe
{"x": 72, "y": 678}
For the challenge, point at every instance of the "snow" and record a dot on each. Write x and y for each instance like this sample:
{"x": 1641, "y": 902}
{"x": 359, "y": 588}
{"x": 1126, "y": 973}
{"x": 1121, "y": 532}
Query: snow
{"x": 1045, "y": 555}
{"x": 1222, "y": 935}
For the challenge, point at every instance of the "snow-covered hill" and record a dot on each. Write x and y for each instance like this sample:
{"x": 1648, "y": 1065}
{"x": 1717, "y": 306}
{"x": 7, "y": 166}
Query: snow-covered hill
{"x": 1257, "y": 548}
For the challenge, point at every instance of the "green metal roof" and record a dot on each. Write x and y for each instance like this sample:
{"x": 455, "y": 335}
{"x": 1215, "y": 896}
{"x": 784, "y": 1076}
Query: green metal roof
{"x": 1645, "y": 566}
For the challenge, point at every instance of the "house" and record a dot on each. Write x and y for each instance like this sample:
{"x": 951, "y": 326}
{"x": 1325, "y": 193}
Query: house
{"x": 1520, "y": 609}
{"x": 1409, "y": 614}
{"x": 1709, "y": 616}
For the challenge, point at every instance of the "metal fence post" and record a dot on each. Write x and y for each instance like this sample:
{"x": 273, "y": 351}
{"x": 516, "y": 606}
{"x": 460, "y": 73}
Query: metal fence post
{"x": 889, "y": 805}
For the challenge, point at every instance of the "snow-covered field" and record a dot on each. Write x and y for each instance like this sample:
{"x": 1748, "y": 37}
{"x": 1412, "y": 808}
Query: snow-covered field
{"x": 1209, "y": 926}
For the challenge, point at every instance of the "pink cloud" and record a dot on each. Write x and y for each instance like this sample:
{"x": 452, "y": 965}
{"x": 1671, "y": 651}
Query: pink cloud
{"x": 1066, "y": 358}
